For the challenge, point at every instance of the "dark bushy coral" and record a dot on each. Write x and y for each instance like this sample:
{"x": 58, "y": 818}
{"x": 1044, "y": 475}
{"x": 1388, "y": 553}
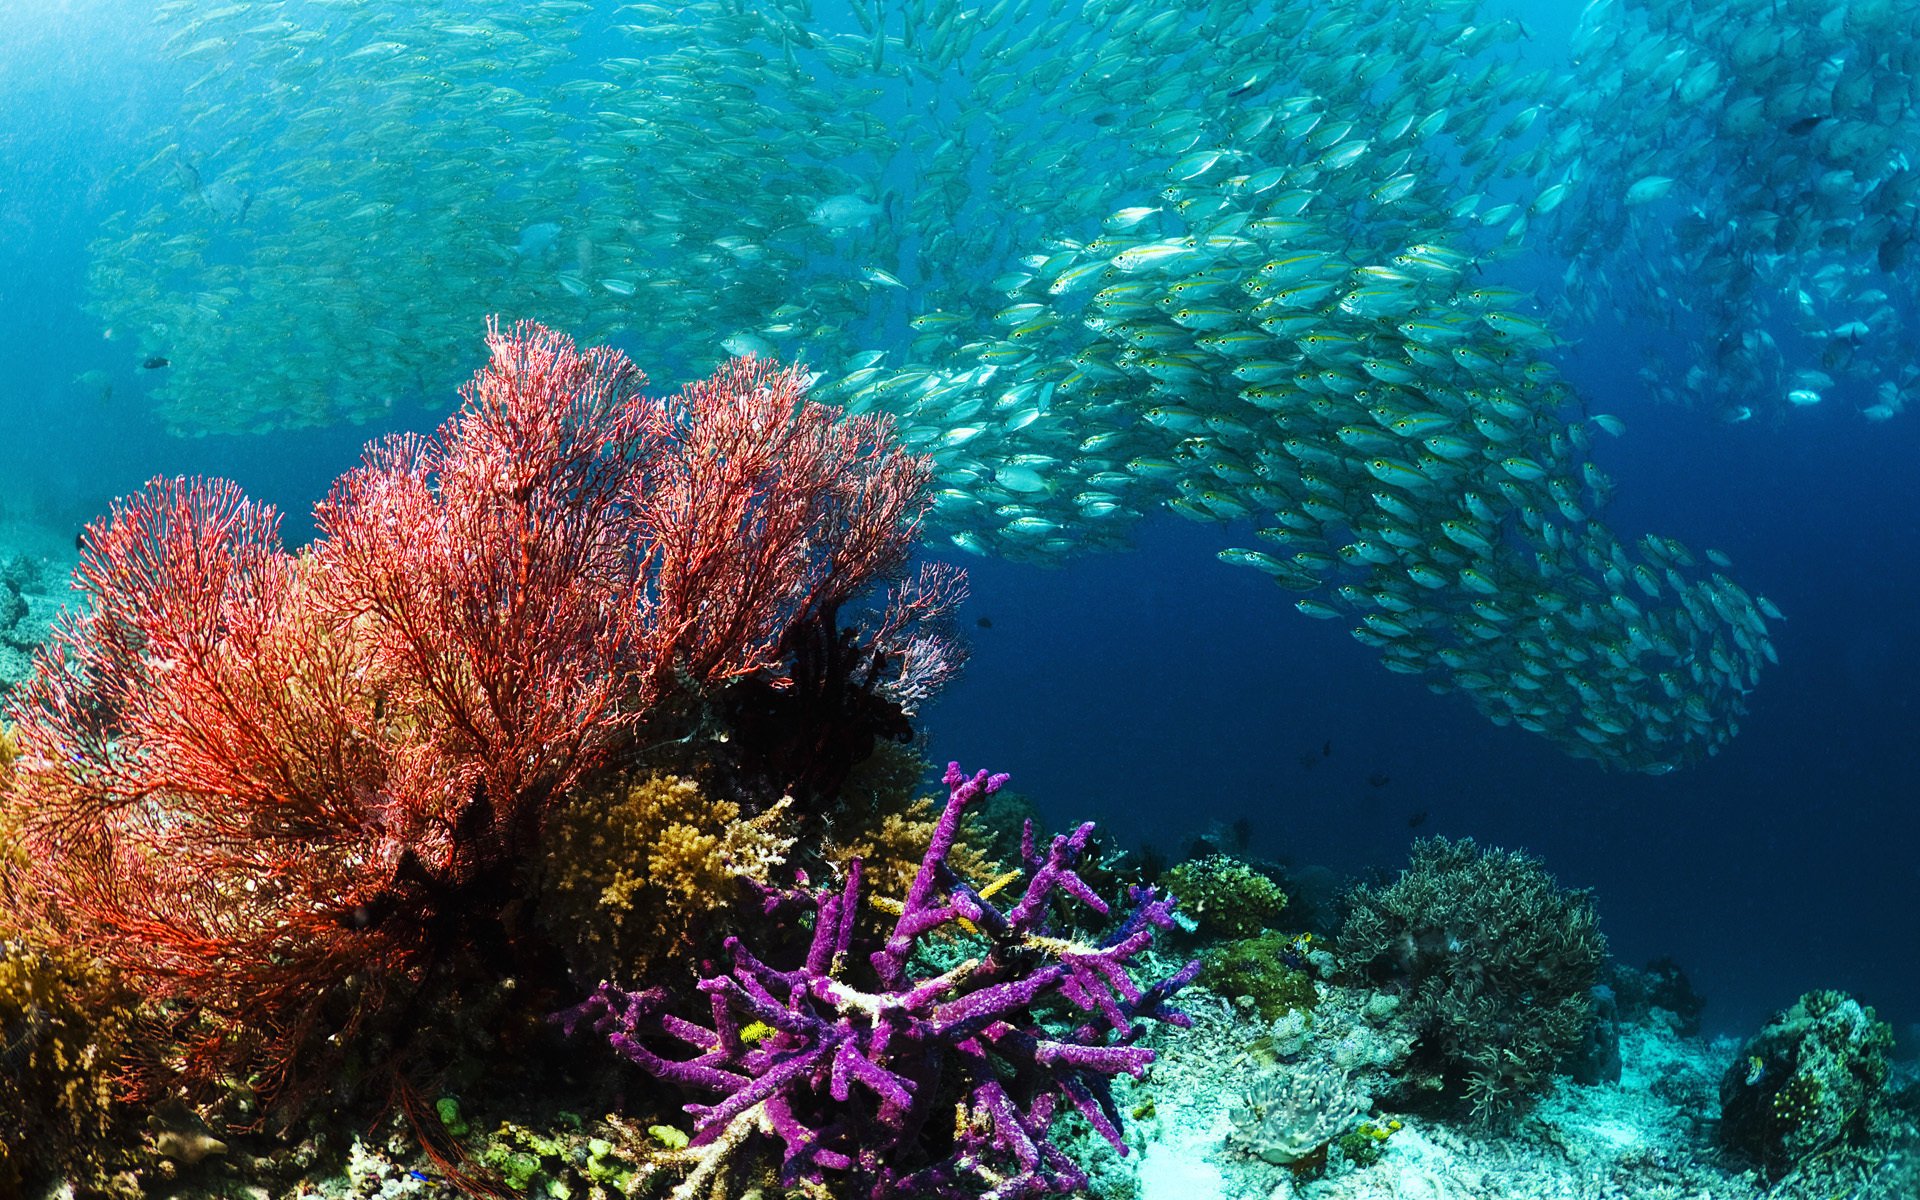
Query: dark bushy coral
{"x": 1495, "y": 963}
{"x": 1812, "y": 1081}
{"x": 890, "y": 1084}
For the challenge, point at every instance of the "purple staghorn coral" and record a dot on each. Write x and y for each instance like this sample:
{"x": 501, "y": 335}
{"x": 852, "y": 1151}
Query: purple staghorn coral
{"x": 942, "y": 1087}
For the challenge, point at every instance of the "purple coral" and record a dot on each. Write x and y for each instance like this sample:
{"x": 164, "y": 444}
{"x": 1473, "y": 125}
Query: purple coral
{"x": 858, "y": 1085}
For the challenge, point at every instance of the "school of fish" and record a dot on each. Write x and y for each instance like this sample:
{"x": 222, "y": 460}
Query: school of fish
{"x": 1739, "y": 173}
{"x": 1236, "y": 258}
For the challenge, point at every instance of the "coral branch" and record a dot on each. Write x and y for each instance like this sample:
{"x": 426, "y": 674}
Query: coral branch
{"x": 848, "y": 1078}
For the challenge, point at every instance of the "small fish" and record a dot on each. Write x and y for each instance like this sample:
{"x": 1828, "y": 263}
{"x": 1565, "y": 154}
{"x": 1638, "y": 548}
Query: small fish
{"x": 844, "y": 213}
{"x": 1646, "y": 191}
{"x": 154, "y": 363}
{"x": 1127, "y": 218}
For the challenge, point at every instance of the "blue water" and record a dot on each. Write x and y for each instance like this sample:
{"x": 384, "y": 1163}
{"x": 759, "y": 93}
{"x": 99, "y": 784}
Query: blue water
{"x": 1159, "y": 691}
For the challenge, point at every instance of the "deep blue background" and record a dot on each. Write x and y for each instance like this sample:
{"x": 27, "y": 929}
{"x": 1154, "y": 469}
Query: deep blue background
{"x": 1160, "y": 690}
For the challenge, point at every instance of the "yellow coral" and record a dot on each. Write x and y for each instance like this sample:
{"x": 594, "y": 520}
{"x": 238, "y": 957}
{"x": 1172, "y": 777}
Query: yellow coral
{"x": 62, "y": 1029}
{"x": 890, "y": 852}
{"x": 15, "y": 907}
{"x": 631, "y": 868}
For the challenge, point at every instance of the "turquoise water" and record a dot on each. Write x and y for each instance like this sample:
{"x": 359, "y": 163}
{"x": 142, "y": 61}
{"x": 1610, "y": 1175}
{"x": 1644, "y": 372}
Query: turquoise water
{"x": 1696, "y": 218}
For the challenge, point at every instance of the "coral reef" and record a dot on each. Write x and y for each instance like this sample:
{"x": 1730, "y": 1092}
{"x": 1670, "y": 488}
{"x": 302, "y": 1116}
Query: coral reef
{"x": 856, "y": 1061}
{"x": 1225, "y": 897}
{"x": 292, "y": 798}
{"x": 1812, "y": 1082}
{"x": 1495, "y": 964}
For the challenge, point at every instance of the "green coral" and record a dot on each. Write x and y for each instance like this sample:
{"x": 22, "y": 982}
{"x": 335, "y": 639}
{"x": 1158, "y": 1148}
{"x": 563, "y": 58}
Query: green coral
{"x": 1257, "y": 967}
{"x": 560, "y": 1165}
{"x": 1811, "y": 1083}
{"x": 1225, "y": 897}
{"x": 1495, "y": 965}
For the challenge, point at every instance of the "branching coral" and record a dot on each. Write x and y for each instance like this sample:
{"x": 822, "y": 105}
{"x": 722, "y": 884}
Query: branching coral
{"x": 856, "y": 1080}
{"x": 633, "y": 868}
{"x": 1495, "y": 962}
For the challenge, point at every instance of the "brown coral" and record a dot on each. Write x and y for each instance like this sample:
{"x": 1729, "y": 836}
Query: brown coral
{"x": 891, "y": 848}
{"x": 633, "y": 867}
{"x": 885, "y": 821}
{"x": 62, "y": 1029}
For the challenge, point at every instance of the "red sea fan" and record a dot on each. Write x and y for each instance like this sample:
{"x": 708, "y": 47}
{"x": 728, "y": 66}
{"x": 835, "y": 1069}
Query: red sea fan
{"x": 249, "y": 777}
{"x": 769, "y": 513}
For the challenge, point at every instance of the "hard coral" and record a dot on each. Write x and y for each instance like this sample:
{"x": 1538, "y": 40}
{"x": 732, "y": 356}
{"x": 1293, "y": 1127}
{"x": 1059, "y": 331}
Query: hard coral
{"x": 632, "y": 868}
{"x": 1257, "y": 968}
{"x": 1225, "y": 897}
{"x": 889, "y": 851}
{"x": 1812, "y": 1081}
{"x": 63, "y": 1026}
{"x": 1495, "y": 963}
{"x": 862, "y": 1062}
{"x": 883, "y": 818}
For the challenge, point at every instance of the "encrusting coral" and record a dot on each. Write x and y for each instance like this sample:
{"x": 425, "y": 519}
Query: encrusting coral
{"x": 1812, "y": 1082}
{"x": 1266, "y": 970}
